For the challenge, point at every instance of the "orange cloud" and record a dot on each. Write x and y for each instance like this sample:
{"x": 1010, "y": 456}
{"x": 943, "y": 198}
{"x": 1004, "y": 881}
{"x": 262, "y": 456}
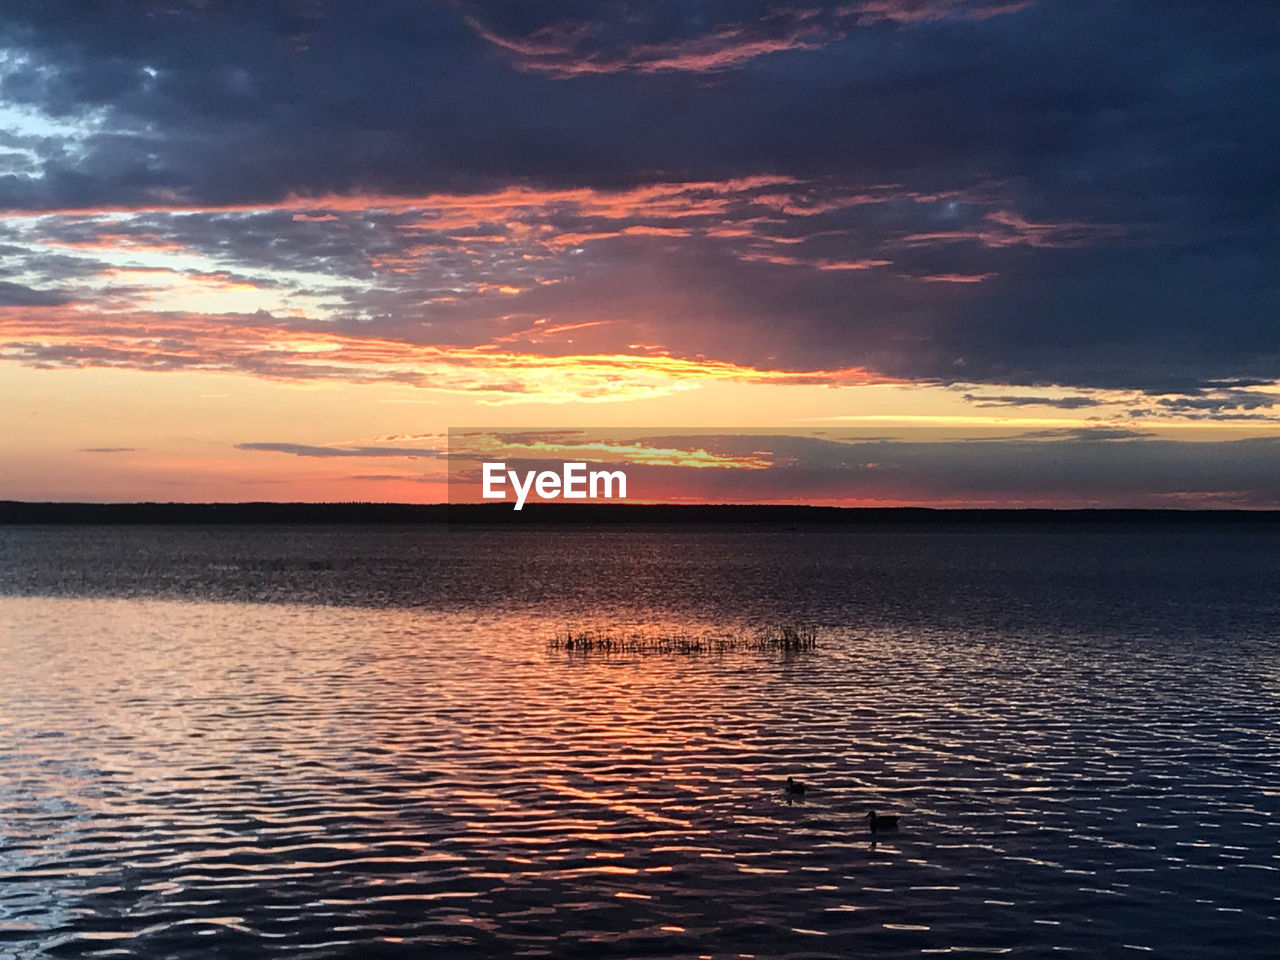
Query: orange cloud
{"x": 679, "y": 196}
{"x": 260, "y": 346}
{"x": 956, "y": 277}
{"x": 819, "y": 264}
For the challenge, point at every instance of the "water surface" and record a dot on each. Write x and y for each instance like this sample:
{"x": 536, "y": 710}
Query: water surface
{"x": 356, "y": 742}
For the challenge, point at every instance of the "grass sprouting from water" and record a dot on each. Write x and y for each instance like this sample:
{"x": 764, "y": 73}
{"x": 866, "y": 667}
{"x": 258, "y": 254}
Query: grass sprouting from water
{"x": 785, "y": 638}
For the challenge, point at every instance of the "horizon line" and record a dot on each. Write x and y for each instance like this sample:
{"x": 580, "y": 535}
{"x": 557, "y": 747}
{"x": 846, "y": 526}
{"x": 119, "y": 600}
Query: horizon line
{"x": 18, "y": 512}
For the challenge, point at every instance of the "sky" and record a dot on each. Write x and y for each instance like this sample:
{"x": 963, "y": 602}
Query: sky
{"x": 938, "y": 252}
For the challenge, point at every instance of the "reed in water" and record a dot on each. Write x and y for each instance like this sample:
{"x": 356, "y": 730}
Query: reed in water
{"x": 785, "y": 638}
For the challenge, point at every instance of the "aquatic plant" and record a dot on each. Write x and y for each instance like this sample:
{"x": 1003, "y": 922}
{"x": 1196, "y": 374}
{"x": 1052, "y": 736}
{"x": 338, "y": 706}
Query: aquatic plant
{"x": 784, "y": 638}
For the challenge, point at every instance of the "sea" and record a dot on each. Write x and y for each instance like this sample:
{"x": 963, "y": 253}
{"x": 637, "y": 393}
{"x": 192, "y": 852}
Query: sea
{"x": 371, "y": 741}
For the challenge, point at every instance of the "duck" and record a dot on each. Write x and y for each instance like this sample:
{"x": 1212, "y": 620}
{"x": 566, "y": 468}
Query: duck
{"x": 881, "y": 821}
{"x": 794, "y": 787}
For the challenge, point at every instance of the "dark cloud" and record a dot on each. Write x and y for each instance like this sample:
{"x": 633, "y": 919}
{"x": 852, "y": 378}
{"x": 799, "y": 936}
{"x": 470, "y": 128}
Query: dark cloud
{"x": 1083, "y": 434}
{"x": 1007, "y": 400}
{"x": 15, "y": 294}
{"x": 1223, "y": 401}
{"x": 1080, "y": 194}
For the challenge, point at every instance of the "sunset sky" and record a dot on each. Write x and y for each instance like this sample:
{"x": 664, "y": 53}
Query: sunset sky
{"x": 953, "y": 252}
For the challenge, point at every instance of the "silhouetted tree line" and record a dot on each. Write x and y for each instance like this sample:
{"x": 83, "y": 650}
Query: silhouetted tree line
{"x": 12, "y": 512}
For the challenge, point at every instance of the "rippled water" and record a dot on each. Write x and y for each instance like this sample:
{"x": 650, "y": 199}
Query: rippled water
{"x": 356, "y": 742}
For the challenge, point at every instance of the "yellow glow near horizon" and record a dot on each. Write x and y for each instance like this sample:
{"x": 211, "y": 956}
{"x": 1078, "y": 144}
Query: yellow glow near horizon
{"x": 173, "y": 436}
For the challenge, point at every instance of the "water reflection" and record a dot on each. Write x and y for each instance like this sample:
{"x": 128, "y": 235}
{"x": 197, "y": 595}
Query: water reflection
{"x": 196, "y": 779}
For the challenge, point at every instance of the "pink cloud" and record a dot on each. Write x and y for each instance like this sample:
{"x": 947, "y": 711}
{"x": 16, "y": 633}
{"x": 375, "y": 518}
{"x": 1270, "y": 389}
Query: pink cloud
{"x": 1004, "y": 228}
{"x": 927, "y": 11}
{"x": 570, "y": 48}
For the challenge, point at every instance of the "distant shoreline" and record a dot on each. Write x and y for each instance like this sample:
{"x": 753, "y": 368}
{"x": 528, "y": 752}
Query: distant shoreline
{"x": 18, "y": 512}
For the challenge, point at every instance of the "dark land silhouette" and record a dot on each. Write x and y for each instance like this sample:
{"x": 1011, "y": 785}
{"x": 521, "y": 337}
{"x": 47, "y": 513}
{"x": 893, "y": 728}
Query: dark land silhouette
{"x": 18, "y": 512}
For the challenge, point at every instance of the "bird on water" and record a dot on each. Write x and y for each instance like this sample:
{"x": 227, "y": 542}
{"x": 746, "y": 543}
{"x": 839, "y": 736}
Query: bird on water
{"x": 794, "y": 787}
{"x": 881, "y": 821}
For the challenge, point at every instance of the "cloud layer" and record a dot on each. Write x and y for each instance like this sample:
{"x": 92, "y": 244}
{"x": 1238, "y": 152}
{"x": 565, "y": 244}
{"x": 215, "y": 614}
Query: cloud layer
{"x": 944, "y": 191}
